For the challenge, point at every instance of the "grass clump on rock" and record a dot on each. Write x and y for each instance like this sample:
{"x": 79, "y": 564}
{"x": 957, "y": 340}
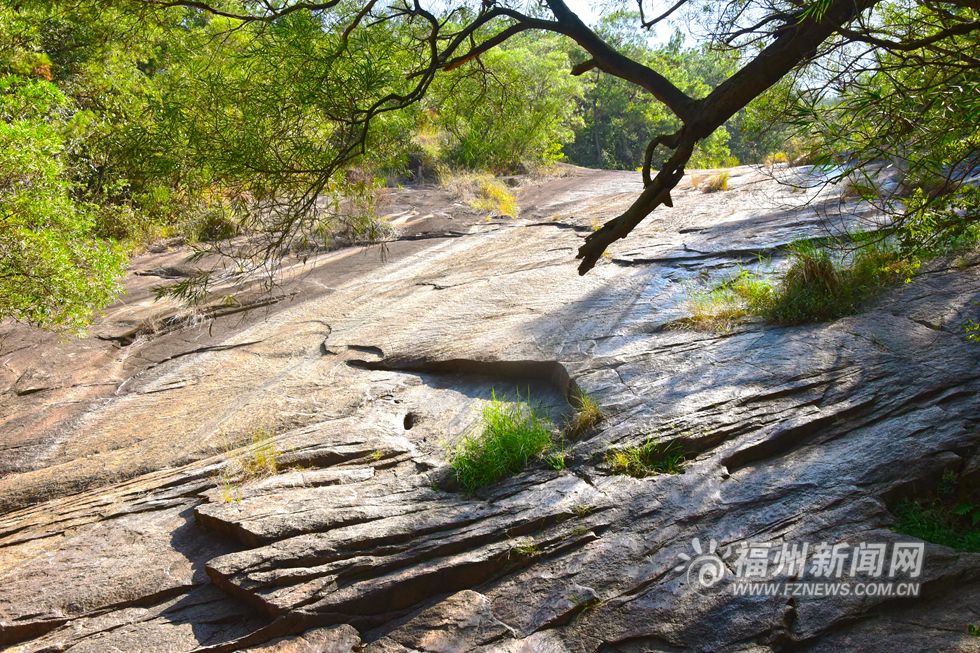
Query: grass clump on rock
{"x": 259, "y": 460}
{"x": 725, "y": 306}
{"x": 511, "y": 434}
{"x": 711, "y": 184}
{"x": 262, "y": 457}
{"x": 651, "y": 457}
{"x": 481, "y": 191}
{"x": 814, "y": 288}
{"x": 493, "y": 197}
{"x": 588, "y": 414}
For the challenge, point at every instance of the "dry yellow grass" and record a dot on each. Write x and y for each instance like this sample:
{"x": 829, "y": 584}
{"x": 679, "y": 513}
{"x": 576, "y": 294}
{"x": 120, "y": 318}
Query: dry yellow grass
{"x": 711, "y": 183}
{"x": 481, "y": 191}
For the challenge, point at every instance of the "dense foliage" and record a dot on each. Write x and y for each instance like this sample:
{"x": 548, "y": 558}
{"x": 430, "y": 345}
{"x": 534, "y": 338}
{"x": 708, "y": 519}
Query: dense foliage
{"x": 620, "y": 118}
{"x": 906, "y": 134}
{"x": 55, "y": 270}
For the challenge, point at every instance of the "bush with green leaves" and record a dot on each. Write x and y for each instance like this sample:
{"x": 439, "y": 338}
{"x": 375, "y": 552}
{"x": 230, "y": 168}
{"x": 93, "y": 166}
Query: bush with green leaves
{"x": 54, "y": 270}
{"x": 914, "y": 119}
{"x": 513, "y": 109}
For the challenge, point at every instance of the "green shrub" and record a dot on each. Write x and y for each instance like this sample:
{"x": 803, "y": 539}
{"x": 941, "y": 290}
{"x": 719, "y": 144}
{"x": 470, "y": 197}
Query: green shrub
{"x": 512, "y": 109}
{"x": 55, "y": 270}
{"x": 652, "y": 457}
{"x": 512, "y": 433}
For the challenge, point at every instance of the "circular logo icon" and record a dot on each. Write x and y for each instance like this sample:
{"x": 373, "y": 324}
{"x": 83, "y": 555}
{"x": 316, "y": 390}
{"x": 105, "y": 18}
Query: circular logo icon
{"x": 705, "y": 568}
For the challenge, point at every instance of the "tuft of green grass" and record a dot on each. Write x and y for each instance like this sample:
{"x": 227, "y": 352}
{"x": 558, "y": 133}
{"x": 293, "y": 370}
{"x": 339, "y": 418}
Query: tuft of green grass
{"x": 814, "y": 289}
{"x": 557, "y": 458}
{"x": 582, "y": 602}
{"x": 588, "y": 414}
{"x": 727, "y": 305}
{"x": 512, "y": 434}
{"x": 527, "y": 548}
{"x": 652, "y": 457}
{"x": 972, "y": 331}
{"x": 582, "y": 509}
{"x": 946, "y": 518}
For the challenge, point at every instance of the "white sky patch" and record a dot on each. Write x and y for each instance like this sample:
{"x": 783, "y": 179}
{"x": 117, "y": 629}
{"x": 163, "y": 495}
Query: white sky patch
{"x": 591, "y": 12}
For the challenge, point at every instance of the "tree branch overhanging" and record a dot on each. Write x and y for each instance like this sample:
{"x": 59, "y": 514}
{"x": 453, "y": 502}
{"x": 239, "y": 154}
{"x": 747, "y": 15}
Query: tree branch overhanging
{"x": 793, "y": 32}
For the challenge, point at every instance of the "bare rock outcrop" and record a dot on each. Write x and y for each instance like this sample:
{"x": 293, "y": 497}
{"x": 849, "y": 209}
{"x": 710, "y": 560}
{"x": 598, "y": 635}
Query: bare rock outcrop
{"x": 124, "y": 528}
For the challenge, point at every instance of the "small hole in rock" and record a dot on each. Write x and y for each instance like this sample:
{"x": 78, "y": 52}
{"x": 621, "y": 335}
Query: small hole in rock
{"x": 409, "y": 420}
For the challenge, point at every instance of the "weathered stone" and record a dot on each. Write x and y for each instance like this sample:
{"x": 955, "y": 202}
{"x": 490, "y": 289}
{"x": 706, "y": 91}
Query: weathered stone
{"x": 127, "y": 527}
{"x": 462, "y": 622}
{"x": 336, "y": 639}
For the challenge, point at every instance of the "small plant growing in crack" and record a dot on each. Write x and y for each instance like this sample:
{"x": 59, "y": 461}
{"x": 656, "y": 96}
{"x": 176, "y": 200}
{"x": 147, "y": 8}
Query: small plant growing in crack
{"x": 580, "y": 531}
{"x": 879, "y": 343}
{"x": 527, "y": 548}
{"x": 972, "y": 331}
{"x": 652, "y": 457}
{"x": 260, "y": 459}
{"x": 588, "y": 414}
{"x": 262, "y": 456}
{"x": 582, "y": 509}
{"x": 556, "y": 457}
{"x": 229, "y": 489}
{"x": 509, "y": 435}
{"x": 583, "y": 602}
{"x": 377, "y": 455}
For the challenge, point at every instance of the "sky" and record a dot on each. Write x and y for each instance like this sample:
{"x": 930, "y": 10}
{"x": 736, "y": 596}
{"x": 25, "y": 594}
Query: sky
{"x": 587, "y": 11}
{"x": 591, "y": 11}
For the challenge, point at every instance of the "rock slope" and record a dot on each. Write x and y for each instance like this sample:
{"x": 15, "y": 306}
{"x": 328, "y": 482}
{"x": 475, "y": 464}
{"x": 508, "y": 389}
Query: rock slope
{"x": 123, "y": 529}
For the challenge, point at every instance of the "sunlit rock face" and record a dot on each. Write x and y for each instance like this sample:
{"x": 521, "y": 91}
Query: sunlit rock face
{"x": 126, "y": 528}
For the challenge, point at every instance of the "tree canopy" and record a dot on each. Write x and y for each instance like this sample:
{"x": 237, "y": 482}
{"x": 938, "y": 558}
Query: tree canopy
{"x": 137, "y": 119}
